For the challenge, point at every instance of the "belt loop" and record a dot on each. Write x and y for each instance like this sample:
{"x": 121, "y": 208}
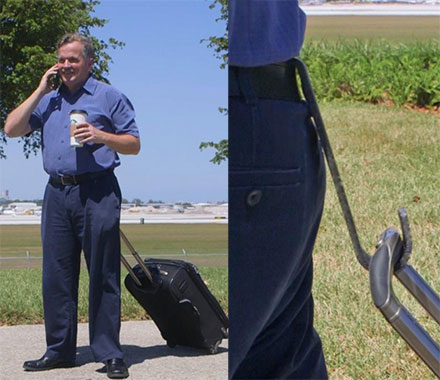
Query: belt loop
{"x": 245, "y": 84}
{"x": 244, "y": 75}
{"x": 291, "y": 64}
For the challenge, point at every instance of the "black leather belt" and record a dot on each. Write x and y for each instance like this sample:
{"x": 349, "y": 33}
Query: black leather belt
{"x": 274, "y": 81}
{"x": 80, "y": 178}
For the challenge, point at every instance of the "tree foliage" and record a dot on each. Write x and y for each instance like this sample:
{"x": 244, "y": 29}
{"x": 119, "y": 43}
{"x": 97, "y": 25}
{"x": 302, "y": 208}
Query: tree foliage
{"x": 221, "y": 150}
{"x": 220, "y": 43}
{"x": 220, "y": 46}
{"x": 30, "y": 30}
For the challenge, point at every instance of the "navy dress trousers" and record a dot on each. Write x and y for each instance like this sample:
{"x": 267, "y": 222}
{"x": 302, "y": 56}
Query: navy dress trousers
{"x": 276, "y": 198}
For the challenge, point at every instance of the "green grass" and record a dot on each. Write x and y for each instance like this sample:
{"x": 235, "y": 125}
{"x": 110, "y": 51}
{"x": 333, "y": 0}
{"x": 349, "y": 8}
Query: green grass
{"x": 21, "y": 303}
{"x": 376, "y": 71}
{"x": 387, "y": 158}
{"x": 16, "y": 240}
{"x": 21, "y": 300}
{"x": 375, "y": 59}
{"x": 395, "y": 28}
{"x": 148, "y": 239}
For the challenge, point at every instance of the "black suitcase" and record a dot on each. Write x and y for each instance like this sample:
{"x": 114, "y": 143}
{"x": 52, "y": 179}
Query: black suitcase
{"x": 174, "y": 294}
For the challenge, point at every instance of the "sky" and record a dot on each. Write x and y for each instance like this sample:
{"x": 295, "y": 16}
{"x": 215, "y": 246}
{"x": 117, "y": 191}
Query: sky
{"x": 176, "y": 86}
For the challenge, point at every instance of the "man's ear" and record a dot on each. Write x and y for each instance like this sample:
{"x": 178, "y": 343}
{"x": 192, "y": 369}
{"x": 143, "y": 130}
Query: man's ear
{"x": 91, "y": 62}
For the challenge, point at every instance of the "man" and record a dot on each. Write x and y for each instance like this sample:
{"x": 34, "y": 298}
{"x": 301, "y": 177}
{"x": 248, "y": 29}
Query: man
{"x": 276, "y": 197}
{"x": 81, "y": 207}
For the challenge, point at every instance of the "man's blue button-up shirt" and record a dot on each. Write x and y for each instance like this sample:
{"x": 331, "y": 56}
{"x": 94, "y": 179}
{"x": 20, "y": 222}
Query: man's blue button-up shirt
{"x": 264, "y": 31}
{"x": 107, "y": 109}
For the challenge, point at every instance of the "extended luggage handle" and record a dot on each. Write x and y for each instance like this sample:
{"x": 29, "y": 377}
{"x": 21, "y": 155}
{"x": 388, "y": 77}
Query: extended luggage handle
{"x": 138, "y": 259}
{"x": 407, "y": 240}
{"x": 382, "y": 268}
{"x": 363, "y": 257}
{"x": 132, "y": 274}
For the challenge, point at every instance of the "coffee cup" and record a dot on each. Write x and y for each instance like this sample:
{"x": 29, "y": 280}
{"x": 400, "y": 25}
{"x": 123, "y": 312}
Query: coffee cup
{"x": 77, "y": 117}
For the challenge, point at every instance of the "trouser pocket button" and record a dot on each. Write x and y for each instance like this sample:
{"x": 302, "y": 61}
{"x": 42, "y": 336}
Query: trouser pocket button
{"x": 254, "y": 198}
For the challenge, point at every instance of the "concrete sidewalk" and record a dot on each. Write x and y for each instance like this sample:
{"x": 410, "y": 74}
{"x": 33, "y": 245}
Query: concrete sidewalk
{"x": 146, "y": 354}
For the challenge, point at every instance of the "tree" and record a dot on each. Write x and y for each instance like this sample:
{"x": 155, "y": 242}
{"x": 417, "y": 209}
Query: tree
{"x": 30, "y": 30}
{"x": 221, "y": 150}
{"x": 220, "y": 46}
{"x": 137, "y": 202}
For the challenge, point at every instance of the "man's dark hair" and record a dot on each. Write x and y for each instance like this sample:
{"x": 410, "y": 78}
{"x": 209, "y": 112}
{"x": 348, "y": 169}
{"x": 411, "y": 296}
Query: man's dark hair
{"x": 88, "y": 51}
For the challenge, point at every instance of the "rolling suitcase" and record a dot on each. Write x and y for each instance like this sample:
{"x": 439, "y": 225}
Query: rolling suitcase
{"x": 390, "y": 259}
{"x": 174, "y": 294}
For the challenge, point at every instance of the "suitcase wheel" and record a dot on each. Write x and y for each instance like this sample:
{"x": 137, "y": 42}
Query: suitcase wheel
{"x": 171, "y": 344}
{"x": 225, "y": 333}
{"x": 214, "y": 348}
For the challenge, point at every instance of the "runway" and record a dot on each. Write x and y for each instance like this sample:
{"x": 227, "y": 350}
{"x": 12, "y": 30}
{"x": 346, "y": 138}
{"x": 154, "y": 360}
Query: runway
{"x": 129, "y": 219}
{"x": 371, "y": 9}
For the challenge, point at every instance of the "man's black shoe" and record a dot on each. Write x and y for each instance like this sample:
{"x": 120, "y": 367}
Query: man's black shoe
{"x": 116, "y": 369}
{"x": 46, "y": 363}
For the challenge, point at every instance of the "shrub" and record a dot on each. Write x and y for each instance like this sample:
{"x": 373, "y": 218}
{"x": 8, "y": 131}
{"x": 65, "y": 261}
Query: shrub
{"x": 376, "y": 71}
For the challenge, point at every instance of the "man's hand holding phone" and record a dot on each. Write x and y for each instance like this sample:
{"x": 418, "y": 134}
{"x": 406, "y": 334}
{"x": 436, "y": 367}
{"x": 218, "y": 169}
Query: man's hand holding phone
{"x": 49, "y": 80}
{"x": 17, "y": 122}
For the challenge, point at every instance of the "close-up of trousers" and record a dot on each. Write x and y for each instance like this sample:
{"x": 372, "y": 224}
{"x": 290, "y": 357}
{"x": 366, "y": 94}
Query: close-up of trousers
{"x": 276, "y": 198}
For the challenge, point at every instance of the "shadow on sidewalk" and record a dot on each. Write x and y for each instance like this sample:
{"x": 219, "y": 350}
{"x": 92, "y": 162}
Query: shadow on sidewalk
{"x": 136, "y": 354}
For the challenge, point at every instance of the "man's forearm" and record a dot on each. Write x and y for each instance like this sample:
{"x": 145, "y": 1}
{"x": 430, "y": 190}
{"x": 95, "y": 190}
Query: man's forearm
{"x": 123, "y": 143}
{"x": 17, "y": 122}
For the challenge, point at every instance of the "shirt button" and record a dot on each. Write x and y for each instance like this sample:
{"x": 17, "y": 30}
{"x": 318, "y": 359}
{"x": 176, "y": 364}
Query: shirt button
{"x": 59, "y": 158}
{"x": 62, "y": 141}
{"x": 254, "y": 198}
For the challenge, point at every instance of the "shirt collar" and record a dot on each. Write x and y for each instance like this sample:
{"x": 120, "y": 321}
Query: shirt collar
{"x": 89, "y": 86}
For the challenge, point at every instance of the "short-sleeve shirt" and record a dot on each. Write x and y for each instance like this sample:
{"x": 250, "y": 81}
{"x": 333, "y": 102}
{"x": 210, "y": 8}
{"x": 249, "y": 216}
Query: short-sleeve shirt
{"x": 107, "y": 109}
{"x": 264, "y": 31}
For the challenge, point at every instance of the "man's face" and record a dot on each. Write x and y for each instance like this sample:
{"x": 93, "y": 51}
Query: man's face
{"x": 72, "y": 66}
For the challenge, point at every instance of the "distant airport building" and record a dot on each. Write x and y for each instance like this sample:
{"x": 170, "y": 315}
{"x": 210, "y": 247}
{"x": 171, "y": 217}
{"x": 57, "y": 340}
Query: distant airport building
{"x": 4, "y": 196}
{"x": 22, "y": 208}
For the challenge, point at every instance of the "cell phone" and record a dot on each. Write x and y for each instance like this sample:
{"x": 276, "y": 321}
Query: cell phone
{"x": 55, "y": 81}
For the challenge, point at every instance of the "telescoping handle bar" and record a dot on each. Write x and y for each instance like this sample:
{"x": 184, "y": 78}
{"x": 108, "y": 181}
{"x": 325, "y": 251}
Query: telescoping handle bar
{"x": 138, "y": 259}
{"x": 362, "y": 256}
{"x": 381, "y": 273}
{"x": 390, "y": 259}
{"x": 132, "y": 274}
